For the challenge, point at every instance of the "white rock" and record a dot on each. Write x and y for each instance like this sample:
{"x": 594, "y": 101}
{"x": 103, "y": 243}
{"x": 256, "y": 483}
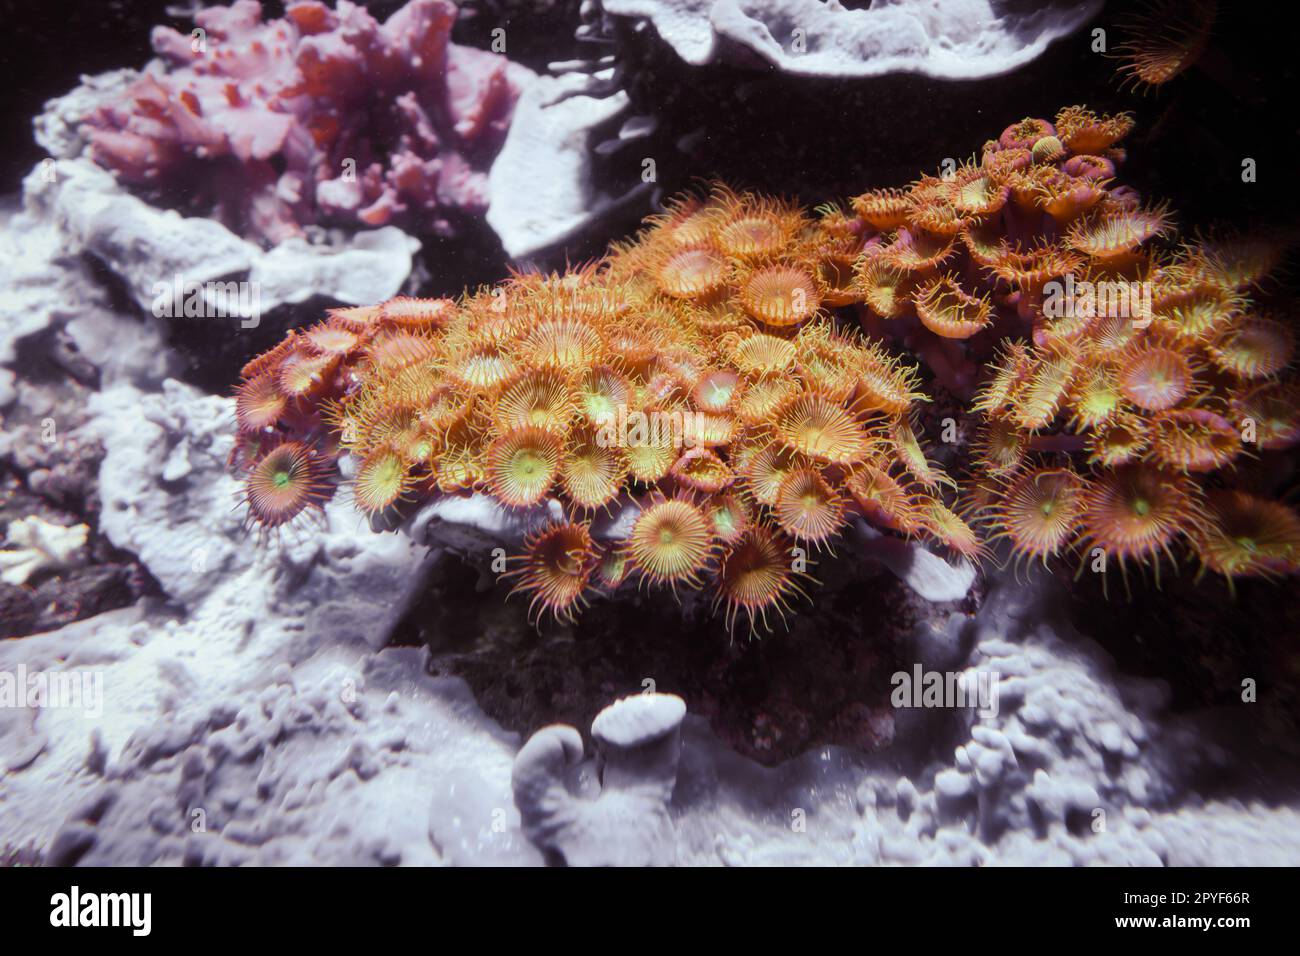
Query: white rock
{"x": 917, "y": 566}
{"x": 149, "y": 248}
{"x": 951, "y": 39}
{"x": 540, "y": 186}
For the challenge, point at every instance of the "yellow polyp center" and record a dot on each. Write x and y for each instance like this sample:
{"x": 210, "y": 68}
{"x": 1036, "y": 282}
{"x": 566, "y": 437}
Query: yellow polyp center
{"x": 1142, "y": 507}
{"x": 528, "y": 464}
{"x": 281, "y": 479}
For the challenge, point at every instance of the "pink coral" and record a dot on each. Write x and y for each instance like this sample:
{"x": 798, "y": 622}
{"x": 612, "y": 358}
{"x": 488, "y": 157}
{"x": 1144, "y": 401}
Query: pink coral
{"x": 326, "y": 116}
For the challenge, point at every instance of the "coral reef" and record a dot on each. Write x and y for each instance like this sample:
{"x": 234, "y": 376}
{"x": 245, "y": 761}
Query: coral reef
{"x": 692, "y": 377}
{"x": 1132, "y": 435}
{"x": 705, "y": 377}
{"x": 292, "y": 742}
{"x": 326, "y": 116}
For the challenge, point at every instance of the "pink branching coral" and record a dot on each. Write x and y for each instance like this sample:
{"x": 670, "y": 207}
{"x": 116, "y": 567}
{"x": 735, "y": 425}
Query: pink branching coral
{"x": 326, "y": 116}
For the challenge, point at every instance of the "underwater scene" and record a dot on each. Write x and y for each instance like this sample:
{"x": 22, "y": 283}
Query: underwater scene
{"x": 639, "y": 433}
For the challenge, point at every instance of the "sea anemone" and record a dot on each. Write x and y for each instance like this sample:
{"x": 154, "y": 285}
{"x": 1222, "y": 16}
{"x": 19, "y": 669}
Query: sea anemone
{"x": 1095, "y": 396}
{"x": 1116, "y": 232}
{"x": 756, "y": 576}
{"x": 694, "y": 272}
{"x": 301, "y": 376}
{"x": 671, "y": 543}
{"x": 1248, "y": 536}
{"x": 1193, "y": 439}
{"x": 763, "y": 470}
{"x": 271, "y": 359}
{"x": 1024, "y": 133}
{"x": 761, "y": 354}
{"x": 700, "y": 469}
{"x": 1254, "y": 347}
{"x": 392, "y": 350}
{"x": 259, "y": 403}
{"x": 381, "y": 479}
{"x": 909, "y": 451}
{"x": 948, "y": 311}
{"x": 1083, "y": 131}
{"x": 1000, "y": 447}
{"x": 1271, "y": 413}
{"x": 827, "y": 361}
{"x": 977, "y": 192}
{"x": 816, "y": 426}
{"x": 716, "y": 390}
{"x": 1038, "y": 512}
{"x": 409, "y": 312}
{"x": 540, "y": 398}
{"x": 781, "y": 296}
{"x": 556, "y": 569}
{"x": 593, "y": 471}
{"x": 1154, "y": 377}
{"x": 760, "y": 399}
{"x": 331, "y": 338}
{"x": 882, "y": 499}
{"x": 884, "y": 383}
{"x": 885, "y": 288}
{"x": 1163, "y": 40}
{"x": 807, "y": 508}
{"x": 1194, "y": 312}
{"x": 565, "y": 345}
{"x": 1136, "y": 511}
{"x": 914, "y": 250}
{"x": 730, "y": 517}
{"x": 1038, "y": 398}
{"x": 481, "y": 366}
{"x": 883, "y": 208}
{"x": 1117, "y": 441}
{"x": 650, "y": 456}
{"x": 950, "y": 530}
{"x": 1047, "y": 149}
{"x": 522, "y": 465}
{"x": 285, "y": 482}
{"x": 756, "y": 228}
{"x": 600, "y": 393}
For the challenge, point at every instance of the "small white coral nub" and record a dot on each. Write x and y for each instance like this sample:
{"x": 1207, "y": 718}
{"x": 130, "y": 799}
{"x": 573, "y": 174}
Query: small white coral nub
{"x": 38, "y": 545}
{"x": 638, "y": 740}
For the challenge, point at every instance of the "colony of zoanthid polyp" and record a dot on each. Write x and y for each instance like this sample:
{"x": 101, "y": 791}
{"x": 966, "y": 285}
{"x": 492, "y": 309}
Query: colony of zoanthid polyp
{"x": 740, "y": 375}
